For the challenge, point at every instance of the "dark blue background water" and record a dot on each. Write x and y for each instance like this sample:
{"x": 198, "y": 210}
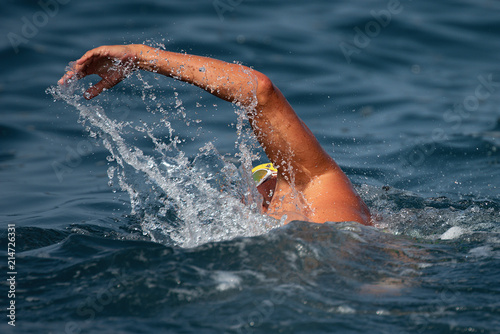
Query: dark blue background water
{"x": 410, "y": 103}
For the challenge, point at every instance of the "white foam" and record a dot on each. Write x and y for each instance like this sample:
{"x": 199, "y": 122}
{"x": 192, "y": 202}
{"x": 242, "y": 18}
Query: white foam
{"x": 483, "y": 251}
{"x": 345, "y": 309}
{"x": 226, "y": 280}
{"x": 453, "y": 233}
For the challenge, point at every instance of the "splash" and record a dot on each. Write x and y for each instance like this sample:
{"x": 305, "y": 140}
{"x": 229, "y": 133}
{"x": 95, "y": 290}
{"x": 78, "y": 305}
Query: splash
{"x": 180, "y": 200}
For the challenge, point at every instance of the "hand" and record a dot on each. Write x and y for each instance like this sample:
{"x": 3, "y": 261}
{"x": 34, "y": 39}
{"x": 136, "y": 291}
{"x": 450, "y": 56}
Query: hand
{"x": 111, "y": 63}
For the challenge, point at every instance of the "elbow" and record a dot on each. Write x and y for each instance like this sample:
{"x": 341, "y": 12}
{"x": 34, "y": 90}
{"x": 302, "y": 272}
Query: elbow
{"x": 265, "y": 89}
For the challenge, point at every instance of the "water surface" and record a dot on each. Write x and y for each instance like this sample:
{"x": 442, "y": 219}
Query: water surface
{"x": 410, "y": 114}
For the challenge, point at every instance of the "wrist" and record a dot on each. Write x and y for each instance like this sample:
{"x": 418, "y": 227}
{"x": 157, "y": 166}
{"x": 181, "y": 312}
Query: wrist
{"x": 144, "y": 57}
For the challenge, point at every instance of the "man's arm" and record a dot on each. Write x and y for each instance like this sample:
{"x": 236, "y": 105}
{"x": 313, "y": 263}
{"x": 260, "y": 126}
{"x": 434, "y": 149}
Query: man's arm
{"x": 287, "y": 141}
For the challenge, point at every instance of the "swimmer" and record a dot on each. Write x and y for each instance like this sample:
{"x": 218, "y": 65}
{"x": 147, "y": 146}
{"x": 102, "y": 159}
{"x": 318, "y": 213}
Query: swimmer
{"x": 302, "y": 180}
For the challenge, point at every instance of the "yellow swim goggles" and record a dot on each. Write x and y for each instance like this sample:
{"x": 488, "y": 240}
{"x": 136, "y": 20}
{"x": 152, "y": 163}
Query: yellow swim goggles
{"x": 262, "y": 173}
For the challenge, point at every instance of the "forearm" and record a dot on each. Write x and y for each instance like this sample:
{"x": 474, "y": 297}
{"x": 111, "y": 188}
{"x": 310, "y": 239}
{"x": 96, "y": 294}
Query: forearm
{"x": 231, "y": 82}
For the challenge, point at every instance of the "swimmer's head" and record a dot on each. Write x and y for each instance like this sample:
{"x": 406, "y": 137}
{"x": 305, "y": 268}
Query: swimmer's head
{"x": 265, "y": 177}
{"x": 262, "y": 173}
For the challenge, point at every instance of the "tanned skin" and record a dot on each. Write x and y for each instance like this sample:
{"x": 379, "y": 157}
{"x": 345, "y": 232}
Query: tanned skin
{"x": 309, "y": 184}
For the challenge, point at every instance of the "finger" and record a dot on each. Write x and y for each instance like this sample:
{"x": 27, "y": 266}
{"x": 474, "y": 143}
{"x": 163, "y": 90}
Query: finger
{"x": 79, "y": 68}
{"x": 76, "y": 72}
{"x": 68, "y": 76}
{"x": 95, "y": 90}
{"x": 98, "y": 88}
{"x": 65, "y": 78}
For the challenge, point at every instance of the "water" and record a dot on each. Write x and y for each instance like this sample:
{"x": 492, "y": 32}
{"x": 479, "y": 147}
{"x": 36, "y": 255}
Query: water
{"x": 408, "y": 108}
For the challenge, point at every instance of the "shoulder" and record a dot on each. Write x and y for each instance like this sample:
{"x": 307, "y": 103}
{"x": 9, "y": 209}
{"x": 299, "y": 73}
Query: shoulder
{"x": 332, "y": 197}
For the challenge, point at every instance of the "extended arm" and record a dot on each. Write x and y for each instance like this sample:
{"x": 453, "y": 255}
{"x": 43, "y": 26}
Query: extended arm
{"x": 289, "y": 144}
{"x": 286, "y": 140}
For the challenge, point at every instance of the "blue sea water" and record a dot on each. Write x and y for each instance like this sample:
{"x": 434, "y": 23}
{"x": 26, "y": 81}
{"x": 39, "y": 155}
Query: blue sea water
{"x": 120, "y": 226}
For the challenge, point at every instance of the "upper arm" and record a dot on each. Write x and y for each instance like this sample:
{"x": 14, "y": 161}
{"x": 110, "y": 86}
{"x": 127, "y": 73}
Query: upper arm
{"x": 287, "y": 141}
